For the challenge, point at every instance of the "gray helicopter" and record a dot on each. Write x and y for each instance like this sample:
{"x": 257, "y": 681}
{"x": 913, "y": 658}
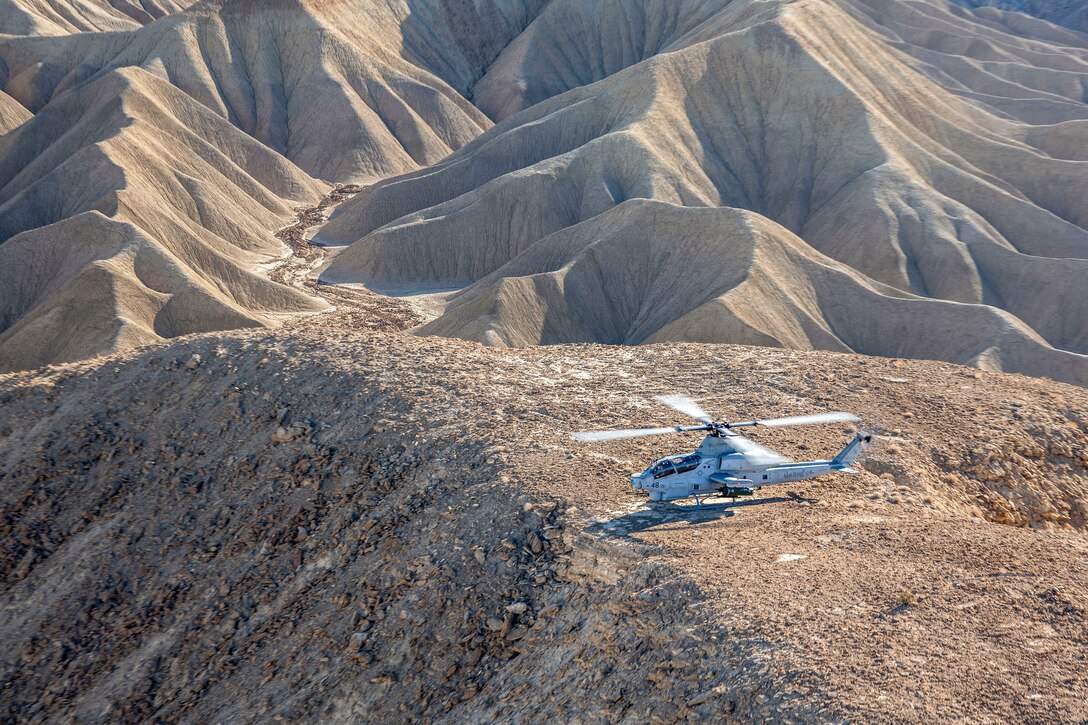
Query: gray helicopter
{"x": 726, "y": 463}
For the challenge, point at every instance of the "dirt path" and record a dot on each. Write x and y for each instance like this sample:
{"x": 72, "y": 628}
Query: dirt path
{"x": 351, "y": 308}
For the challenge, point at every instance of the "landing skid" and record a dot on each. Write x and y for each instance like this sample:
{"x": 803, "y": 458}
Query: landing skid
{"x": 699, "y": 498}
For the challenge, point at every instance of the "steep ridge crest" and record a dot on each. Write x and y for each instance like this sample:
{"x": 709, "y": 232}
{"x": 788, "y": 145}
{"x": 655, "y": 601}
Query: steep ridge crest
{"x": 870, "y": 163}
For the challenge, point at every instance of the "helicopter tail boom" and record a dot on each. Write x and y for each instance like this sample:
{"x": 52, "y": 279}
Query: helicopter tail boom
{"x": 850, "y": 453}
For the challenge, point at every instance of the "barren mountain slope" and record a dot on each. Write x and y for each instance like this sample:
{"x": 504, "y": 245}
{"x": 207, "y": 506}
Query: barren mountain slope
{"x": 1020, "y": 65}
{"x": 340, "y": 88}
{"x": 574, "y": 43}
{"x": 1071, "y": 13}
{"x": 12, "y": 113}
{"x": 349, "y": 525}
{"x": 191, "y": 203}
{"x": 650, "y": 272}
{"x": 1012, "y": 64}
{"x": 947, "y": 164}
{"x": 187, "y": 133}
{"x": 804, "y": 114}
{"x": 58, "y": 17}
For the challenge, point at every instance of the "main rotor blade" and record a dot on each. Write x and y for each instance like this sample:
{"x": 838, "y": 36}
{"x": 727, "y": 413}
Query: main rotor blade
{"x": 590, "y": 436}
{"x": 755, "y": 452}
{"x": 799, "y": 420}
{"x": 685, "y": 405}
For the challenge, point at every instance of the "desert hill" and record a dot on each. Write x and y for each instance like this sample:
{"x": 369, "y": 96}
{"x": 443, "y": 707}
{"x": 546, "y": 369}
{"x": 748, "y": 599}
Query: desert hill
{"x": 1070, "y": 13}
{"x": 1010, "y": 63}
{"x": 342, "y": 89}
{"x": 201, "y": 134}
{"x": 350, "y": 525}
{"x": 131, "y": 213}
{"x": 12, "y": 113}
{"x": 936, "y": 152}
{"x": 688, "y": 274}
{"x": 802, "y": 113}
{"x": 986, "y": 56}
{"x": 572, "y": 44}
{"x": 58, "y": 17}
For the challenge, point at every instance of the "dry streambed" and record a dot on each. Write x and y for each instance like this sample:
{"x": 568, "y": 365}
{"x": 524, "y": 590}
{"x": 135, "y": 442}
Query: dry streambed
{"x": 350, "y": 307}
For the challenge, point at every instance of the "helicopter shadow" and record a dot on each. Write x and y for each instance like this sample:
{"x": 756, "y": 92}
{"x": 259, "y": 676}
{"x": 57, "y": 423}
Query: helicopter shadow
{"x": 668, "y": 516}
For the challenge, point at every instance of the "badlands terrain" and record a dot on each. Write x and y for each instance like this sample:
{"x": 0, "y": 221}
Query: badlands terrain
{"x": 901, "y": 178}
{"x": 300, "y": 301}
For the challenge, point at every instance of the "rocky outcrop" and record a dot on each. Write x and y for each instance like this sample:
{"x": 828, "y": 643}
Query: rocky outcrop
{"x": 353, "y": 526}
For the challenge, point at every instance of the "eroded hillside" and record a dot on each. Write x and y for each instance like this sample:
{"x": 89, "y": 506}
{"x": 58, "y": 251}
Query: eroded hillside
{"x": 937, "y": 166}
{"x": 61, "y": 17}
{"x": 369, "y": 525}
{"x": 197, "y": 137}
{"x": 930, "y": 154}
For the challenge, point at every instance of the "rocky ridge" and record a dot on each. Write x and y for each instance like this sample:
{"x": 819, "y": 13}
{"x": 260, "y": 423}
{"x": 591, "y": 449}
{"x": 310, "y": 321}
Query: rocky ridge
{"x": 350, "y": 524}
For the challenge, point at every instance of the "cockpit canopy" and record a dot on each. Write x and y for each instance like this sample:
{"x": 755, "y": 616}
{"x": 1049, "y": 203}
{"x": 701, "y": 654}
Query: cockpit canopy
{"x": 673, "y": 464}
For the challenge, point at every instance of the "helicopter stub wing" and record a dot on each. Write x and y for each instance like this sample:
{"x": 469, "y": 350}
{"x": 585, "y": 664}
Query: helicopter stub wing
{"x": 727, "y": 480}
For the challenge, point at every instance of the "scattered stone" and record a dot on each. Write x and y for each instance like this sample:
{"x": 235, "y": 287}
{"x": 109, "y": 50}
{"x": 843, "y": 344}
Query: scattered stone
{"x": 706, "y": 696}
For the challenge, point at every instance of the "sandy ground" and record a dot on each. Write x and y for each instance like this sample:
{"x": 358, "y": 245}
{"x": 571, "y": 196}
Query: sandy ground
{"x": 320, "y": 484}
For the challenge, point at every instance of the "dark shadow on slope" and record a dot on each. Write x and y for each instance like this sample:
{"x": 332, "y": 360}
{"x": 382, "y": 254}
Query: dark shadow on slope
{"x": 670, "y": 516}
{"x": 477, "y": 31}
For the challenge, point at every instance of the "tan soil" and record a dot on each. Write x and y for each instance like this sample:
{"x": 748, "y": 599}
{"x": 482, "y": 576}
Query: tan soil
{"x": 351, "y": 308}
{"x": 320, "y": 524}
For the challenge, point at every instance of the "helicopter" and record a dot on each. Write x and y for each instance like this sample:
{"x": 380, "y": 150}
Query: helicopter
{"x": 726, "y": 463}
